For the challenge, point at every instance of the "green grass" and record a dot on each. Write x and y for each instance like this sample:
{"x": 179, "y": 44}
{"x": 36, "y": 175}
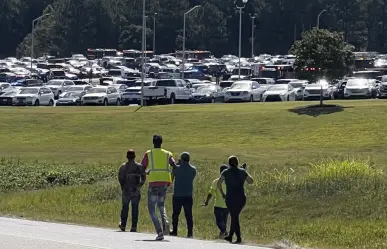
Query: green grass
{"x": 320, "y": 181}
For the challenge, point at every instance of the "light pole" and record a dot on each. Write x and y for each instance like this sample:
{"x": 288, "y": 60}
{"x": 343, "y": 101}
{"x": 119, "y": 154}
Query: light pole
{"x": 252, "y": 35}
{"x": 143, "y": 52}
{"x": 32, "y": 35}
{"x": 240, "y": 8}
{"x": 318, "y": 18}
{"x": 185, "y": 15}
{"x": 154, "y": 33}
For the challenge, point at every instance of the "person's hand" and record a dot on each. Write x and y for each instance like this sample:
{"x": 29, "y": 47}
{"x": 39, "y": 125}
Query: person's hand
{"x": 224, "y": 196}
{"x": 206, "y": 203}
{"x": 244, "y": 165}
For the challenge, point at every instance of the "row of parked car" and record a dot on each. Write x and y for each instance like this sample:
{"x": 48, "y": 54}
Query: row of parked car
{"x": 68, "y": 92}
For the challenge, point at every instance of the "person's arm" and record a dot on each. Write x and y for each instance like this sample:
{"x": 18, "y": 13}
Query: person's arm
{"x": 219, "y": 185}
{"x": 121, "y": 176}
{"x": 209, "y": 196}
{"x": 249, "y": 179}
{"x": 145, "y": 162}
{"x": 172, "y": 161}
{"x": 143, "y": 176}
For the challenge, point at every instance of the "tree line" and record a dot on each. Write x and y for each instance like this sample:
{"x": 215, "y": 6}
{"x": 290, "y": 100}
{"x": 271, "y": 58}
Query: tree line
{"x": 76, "y": 25}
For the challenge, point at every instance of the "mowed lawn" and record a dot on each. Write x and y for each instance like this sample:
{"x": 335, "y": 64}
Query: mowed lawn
{"x": 60, "y": 164}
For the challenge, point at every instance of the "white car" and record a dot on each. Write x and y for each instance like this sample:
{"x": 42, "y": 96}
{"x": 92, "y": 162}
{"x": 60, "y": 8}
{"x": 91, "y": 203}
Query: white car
{"x": 77, "y": 88}
{"x": 279, "y": 92}
{"x": 298, "y": 88}
{"x": 102, "y": 95}
{"x": 34, "y": 96}
{"x": 313, "y": 91}
{"x": 358, "y": 88}
{"x": 59, "y": 86}
{"x": 244, "y": 90}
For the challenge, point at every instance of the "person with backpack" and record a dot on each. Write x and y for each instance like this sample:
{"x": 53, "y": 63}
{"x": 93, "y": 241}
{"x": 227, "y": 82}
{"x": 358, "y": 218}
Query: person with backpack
{"x": 235, "y": 197}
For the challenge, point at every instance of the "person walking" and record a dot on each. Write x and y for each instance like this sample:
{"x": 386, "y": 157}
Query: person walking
{"x": 157, "y": 163}
{"x": 234, "y": 178}
{"x": 183, "y": 175}
{"x": 220, "y": 209}
{"x": 131, "y": 177}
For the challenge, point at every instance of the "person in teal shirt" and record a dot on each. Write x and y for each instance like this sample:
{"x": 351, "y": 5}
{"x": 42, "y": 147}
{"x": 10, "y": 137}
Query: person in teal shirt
{"x": 220, "y": 209}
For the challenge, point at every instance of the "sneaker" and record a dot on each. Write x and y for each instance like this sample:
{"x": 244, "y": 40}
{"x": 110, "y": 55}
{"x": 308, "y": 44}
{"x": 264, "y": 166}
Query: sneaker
{"x": 222, "y": 235}
{"x": 160, "y": 237}
{"x": 133, "y": 230}
{"x": 173, "y": 233}
{"x": 189, "y": 236}
{"x": 121, "y": 227}
{"x": 228, "y": 238}
{"x": 238, "y": 241}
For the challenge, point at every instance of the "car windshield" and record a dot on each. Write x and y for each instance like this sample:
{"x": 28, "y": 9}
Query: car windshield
{"x": 71, "y": 94}
{"x": 138, "y": 83}
{"x": 241, "y": 86}
{"x": 29, "y": 91}
{"x": 75, "y": 89}
{"x": 205, "y": 89}
{"x": 97, "y": 90}
{"x": 296, "y": 84}
{"x": 356, "y": 83}
{"x": 279, "y": 88}
{"x": 54, "y": 83}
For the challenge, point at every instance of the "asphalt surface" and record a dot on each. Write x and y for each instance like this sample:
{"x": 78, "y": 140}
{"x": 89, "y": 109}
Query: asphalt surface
{"x": 23, "y": 234}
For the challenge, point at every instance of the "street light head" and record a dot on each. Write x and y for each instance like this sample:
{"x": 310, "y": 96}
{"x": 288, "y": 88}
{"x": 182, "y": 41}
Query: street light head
{"x": 245, "y": 1}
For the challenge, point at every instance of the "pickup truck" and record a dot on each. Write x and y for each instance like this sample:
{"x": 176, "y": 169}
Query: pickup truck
{"x": 132, "y": 95}
{"x": 171, "y": 90}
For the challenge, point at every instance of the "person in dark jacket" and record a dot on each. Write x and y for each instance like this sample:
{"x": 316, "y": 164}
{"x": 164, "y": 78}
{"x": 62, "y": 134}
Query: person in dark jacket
{"x": 184, "y": 175}
{"x": 132, "y": 177}
{"x": 235, "y": 178}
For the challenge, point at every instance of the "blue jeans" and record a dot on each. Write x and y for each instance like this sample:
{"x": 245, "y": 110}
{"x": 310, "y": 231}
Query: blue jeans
{"x": 156, "y": 197}
{"x": 221, "y": 216}
{"x": 126, "y": 200}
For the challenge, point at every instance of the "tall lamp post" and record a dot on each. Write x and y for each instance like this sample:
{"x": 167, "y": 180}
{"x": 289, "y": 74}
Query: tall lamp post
{"x": 185, "y": 15}
{"x": 318, "y": 18}
{"x": 32, "y": 35}
{"x": 252, "y": 35}
{"x": 240, "y": 8}
{"x": 154, "y": 33}
{"x": 143, "y": 52}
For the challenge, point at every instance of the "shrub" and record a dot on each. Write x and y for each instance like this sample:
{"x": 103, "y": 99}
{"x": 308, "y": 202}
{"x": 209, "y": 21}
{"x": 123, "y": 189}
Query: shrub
{"x": 326, "y": 177}
{"x": 17, "y": 175}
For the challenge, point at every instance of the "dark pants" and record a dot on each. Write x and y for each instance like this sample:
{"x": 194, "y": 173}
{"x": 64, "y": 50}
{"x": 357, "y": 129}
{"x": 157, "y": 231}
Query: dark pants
{"x": 186, "y": 203}
{"x": 221, "y": 216}
{"x": 126, "y": 200}
{"x": 235, "y": 206}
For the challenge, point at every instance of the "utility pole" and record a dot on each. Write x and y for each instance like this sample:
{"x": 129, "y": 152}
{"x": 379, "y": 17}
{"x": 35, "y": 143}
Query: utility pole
{"x": 252, "y": 35}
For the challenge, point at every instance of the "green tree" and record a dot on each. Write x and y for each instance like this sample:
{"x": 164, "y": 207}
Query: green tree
{"x": 320, "y": 48}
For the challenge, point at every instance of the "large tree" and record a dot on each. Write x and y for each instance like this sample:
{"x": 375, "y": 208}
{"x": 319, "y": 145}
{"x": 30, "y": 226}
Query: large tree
{"x": 320, "y": 48}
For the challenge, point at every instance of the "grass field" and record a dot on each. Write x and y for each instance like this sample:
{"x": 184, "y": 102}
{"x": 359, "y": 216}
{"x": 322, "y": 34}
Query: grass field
{"x": 320, "y": 178}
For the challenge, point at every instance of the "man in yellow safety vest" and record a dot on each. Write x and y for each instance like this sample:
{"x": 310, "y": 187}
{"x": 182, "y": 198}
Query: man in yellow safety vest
{"x": 159, "y": 164}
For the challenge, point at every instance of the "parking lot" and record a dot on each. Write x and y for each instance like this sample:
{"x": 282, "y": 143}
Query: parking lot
{"x": 110, "y": 77}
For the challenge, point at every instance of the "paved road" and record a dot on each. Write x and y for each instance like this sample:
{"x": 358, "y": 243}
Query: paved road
{"x": 23, "y": 234}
